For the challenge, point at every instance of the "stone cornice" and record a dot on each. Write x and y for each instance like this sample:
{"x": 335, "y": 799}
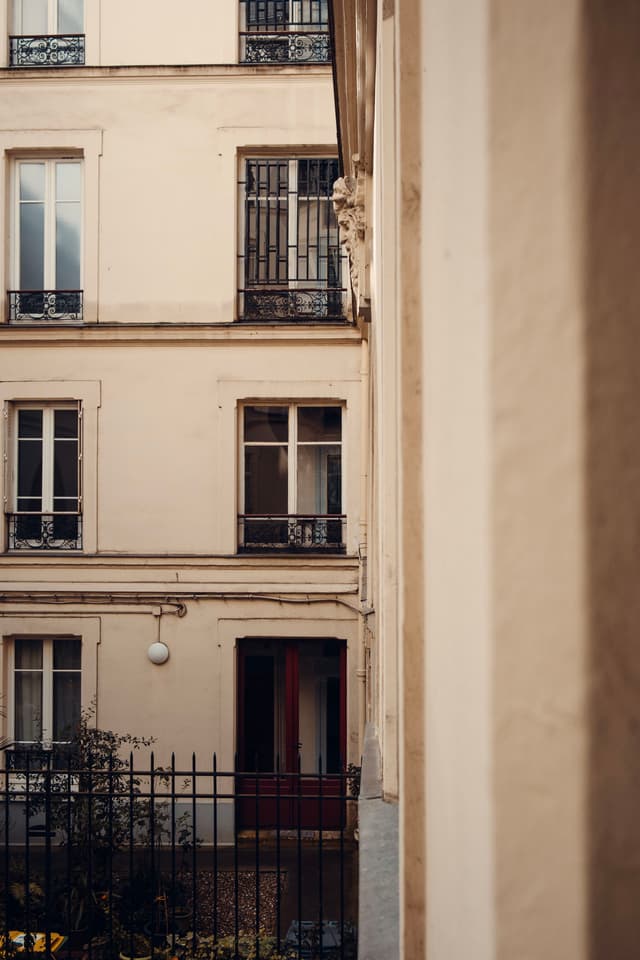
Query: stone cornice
{"x": 176, "y": 334}
{"x": 222, "y": 73}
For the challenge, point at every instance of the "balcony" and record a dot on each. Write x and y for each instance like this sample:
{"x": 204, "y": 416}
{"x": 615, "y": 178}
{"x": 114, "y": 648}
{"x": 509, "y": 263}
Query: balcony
{"x": 284, "y": 31}
{"x": 39, "y": 306}
{"x": 56, "y": 50}
{"x": 293, "y": 533}
{"x": 45, "y": 531}
{"x": 292, "y": 266}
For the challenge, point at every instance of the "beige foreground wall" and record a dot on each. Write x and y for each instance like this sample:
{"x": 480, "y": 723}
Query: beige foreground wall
{"x": 505, "y": 233}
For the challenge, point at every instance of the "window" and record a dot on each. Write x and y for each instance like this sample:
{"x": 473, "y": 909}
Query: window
{"x": 47, "y": 240}
{"x": 284, "y": 31}
{"x": 46, "y": 693}
{"x": 47, "y": 33}
{"x": 292, "y": 478}
{"x": 47, "y": 496}
{"x": 291, "y": 265}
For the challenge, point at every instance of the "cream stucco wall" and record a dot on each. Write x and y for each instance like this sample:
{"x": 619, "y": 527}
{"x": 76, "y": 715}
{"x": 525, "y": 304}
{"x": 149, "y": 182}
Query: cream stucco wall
{"x": 162, "y": 369}
{"x": 163, "y": 154}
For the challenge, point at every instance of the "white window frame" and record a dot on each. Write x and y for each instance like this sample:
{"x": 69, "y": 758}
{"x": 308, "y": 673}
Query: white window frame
{"x": 47, "y": 670}
{"x": 292, "y": 448}
{"x": 50, "y": 163}
{"x": 52, "y": 19}
{"x": 84, "y": 144}
{"x": 87, "y": 628}
{"x": 86, "y": 393}
{"x": 48, "y": 411}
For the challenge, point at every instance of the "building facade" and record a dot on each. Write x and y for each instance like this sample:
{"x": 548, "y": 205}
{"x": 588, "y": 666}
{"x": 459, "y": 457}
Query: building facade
{"x": 181, "y": 384}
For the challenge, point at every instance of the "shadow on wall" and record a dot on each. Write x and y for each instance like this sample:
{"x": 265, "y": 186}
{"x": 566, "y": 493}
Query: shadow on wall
{"x": 612, "y": 297}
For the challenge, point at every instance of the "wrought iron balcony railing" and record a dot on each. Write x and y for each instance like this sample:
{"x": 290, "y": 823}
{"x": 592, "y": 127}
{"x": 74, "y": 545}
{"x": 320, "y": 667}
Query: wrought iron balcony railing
{"x": 284, "y": 31}
{"x": 45, "y": 531}
{"x": 292, "y": 304}
{"x": 33, "y": 757}
{"x": 55, "y": 50}
{"x": 292, "y": 532}
{"x": 42, "y": 305}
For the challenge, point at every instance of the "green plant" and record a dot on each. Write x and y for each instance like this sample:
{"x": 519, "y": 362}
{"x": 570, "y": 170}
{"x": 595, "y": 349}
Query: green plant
{"x": 353, "y": 779}
{"x": 246, "y": 947}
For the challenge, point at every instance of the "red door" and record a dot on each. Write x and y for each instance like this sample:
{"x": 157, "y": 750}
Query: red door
{"x": 291, "y": 725}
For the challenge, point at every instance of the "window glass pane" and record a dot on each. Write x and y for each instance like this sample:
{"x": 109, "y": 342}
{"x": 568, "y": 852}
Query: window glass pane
{"x": 266, "y": 424}
{"x": 319, "y": 480}
{"x": 32, "y": 181}
{"x": 28, "y": 652}
{"x": 28, "y": 706}
{"x": 67, "y": 246}
{"x": 30, "y": 468}
{"x": 31, "y": 16}
{"x": 66, "y": 653}
{"x": 66, "y": 704}
{"x": 31, "y": 261}
{"x": 68, "y": 182}
{"x": 30, "y": 423}
{"x": 266, "y": 480}
{"x": 319, "y": 423}
{"x": 65, "y": 423}
{"x": 65, "y": 468}
{"x": 70, "y": 18}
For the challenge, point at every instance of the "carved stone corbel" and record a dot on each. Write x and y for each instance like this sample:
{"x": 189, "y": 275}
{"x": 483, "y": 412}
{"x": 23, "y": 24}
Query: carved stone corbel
{"x": 348, "y": 204}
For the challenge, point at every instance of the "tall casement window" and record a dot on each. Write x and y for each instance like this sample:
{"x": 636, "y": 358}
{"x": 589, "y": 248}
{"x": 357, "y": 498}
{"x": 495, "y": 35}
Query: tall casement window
{"x": 292, "y": 478}
{"x": 47, "y": 33}
{"x": 47, "y": 462}
{"x": 46, "y": 688}
{"x": 284, "y": 31}
{"x": 47, "y": 235}
{"x": 291, "y": 261}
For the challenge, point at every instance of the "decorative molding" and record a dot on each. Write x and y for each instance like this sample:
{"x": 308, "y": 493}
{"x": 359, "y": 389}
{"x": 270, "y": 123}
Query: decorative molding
{"x": 348, "y": 203}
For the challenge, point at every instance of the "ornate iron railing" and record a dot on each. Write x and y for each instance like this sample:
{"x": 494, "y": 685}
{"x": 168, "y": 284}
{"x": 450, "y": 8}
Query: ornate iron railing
{"x": 293, "y": 532}
{"x": 39, "y": 305}
{"x": 296, "y": 304}
{"x": 56, "y": 50}
{"x": 45, "y": 531}
{"x": 36, "y": 757}
{"x": 284, "y": 31}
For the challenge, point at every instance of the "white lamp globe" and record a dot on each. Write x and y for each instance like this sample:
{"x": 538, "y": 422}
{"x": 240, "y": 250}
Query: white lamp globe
{"x": 158, "y": 652}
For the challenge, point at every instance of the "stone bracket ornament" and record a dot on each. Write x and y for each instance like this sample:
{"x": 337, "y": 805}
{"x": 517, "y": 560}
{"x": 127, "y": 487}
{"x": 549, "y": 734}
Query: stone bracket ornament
{"x": 348, "y": 204}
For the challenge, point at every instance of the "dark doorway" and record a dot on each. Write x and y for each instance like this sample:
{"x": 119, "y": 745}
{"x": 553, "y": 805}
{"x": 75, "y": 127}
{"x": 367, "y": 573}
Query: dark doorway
{"x": 291, "y": 721}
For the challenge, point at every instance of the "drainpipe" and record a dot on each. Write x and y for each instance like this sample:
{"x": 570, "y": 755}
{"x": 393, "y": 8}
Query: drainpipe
{"x": 365, "y": 452}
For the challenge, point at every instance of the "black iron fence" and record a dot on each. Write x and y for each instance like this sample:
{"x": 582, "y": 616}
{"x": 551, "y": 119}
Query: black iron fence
{"x": 115, "y": 861}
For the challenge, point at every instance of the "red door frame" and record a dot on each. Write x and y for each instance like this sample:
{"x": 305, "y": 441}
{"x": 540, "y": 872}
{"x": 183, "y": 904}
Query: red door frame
{"x": 274, "y": 792}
